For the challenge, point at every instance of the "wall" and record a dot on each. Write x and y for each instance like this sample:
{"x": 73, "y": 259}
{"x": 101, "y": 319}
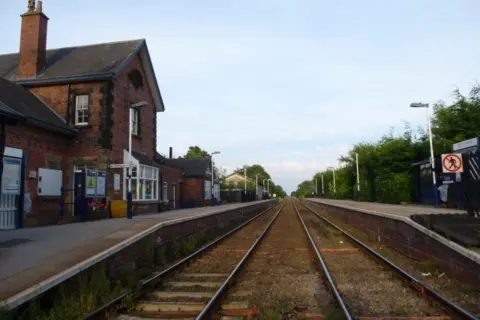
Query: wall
{"x": 172, "y": 175}
{"x": 125, "y": 94}
{"x": 45, "y": 149}
{"x": 410, "y": 241}
{"x": 192, "y": 192}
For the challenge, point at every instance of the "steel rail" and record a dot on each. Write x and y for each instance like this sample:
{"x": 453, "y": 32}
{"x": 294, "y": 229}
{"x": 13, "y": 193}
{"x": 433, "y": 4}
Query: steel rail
{"x": 331, "y": 284}
{"x": 209, "y": 307}
{"x": 156, "y": 275}
{"x": 453, "y": 307}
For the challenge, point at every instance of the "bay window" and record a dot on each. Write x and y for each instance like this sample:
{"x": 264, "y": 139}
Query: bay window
{"x": 208, "y": 189}
{"x": 144, "y": 183}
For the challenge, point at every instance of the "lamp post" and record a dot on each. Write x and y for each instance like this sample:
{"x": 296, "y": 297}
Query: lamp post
{"x": 133, "y": 107}
{"x": 245, "y": 176}
{"x": 323, "y": 189}
{"x": 334, "y": 185}
{"x": 432, "y": 159}
{"x": 211, "y": 158}
{"x": 358, "y": 178}
{"x": 268, "y": 186}
{"x": 256, "y": 186}
{"x": 316, "y": 189}
{"x": 263, "y": 185}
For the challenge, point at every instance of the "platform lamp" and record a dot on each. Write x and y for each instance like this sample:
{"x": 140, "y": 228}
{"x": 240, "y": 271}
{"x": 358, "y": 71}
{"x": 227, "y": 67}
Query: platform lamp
{"x": 268, "y": 186}
{"x": 334, "y": 185}
{"x": 432, "y": 157}
{"x": 133, "y": 107}
{"x": 263, "y": 187}
{"x": 316, "y": 189}
{"x": 211, "y": 159}
{"x": 256, "y": 186}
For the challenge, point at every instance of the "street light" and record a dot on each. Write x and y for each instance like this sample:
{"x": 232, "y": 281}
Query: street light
{"x": 358, "y": 178}
{"x": 268, "y": 186}
{"x": 245, "y": 176}
{"x": 316, "y": 189}
{"x": 334, "y": 185}
{"x": 263, "y": 186}
{"x": 323, "y": 189}
{"x": 133, "y": 107}
{"x": 256, "y": 186}
{"x": 211, "y": 158}
{"x": 432, "y": 159}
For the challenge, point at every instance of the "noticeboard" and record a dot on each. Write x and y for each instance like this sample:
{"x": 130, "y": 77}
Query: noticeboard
{"x": 11, "y": 176}
{"x": 101, "y": 183}
{"x": 90, "y": 183}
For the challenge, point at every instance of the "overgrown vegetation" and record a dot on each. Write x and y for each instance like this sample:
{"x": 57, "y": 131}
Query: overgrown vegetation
{"x": 93, "y": 288}
{"x": 385, "y": 165}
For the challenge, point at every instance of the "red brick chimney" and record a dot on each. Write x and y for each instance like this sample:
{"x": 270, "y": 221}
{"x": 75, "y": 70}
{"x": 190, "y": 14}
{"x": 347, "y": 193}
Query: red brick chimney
{"x": 33, "y": 41}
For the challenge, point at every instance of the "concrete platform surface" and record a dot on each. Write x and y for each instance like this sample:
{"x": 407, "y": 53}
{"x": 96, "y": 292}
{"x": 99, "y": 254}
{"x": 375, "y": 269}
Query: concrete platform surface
{"x": 403, "y": 213}
{"x": 387, "y": 209}
{"x": 29, "y": 258}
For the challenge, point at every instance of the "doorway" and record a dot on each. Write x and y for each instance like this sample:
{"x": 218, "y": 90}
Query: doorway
{"x": 174, "y": 196}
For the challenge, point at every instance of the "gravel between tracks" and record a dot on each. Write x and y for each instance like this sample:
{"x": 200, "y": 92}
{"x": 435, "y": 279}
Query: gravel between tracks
{"x": 368, "y": 287}
{"x": 222, "y": 258}
{"x": 282, "y": 272}
{"x": 464, "y": 295}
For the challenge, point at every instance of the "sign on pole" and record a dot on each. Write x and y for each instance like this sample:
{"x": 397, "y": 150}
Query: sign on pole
{"x": 119, "y": 165}
{"x": 452, "y": 163}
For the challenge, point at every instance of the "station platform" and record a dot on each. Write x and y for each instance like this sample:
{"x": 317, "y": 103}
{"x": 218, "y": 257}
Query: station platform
{"x": 450, "y": 227}
{"x": 32, "y": 260}
{"x": 387, "y": 209}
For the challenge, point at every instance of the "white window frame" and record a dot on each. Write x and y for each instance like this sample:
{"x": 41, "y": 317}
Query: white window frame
{"x": 81, "y": 109}
{"x": 135, "y": 113}
{"x": 207, "y": 187}
{"x": 144, "y": 174}
{"x": 165, "y": 191}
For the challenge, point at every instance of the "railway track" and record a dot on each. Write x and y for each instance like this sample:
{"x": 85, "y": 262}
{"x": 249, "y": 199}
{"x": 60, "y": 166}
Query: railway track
{"x": 194, "y": 287}
{"x": 366, "y": 285}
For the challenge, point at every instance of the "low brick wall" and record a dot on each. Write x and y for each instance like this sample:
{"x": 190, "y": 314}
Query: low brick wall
{"x": 124, "y": 268}
{"x": 403, "y": 237}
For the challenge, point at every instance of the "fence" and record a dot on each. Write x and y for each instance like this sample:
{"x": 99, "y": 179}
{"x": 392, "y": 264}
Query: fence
{"x": 238, "y": 195}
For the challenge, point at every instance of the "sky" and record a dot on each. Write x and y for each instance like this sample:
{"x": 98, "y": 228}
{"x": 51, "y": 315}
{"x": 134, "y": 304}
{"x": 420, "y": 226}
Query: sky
{"x": 290, "y": 85}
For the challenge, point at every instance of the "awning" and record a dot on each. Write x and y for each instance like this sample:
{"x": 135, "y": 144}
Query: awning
{"x": 139, "y": 158}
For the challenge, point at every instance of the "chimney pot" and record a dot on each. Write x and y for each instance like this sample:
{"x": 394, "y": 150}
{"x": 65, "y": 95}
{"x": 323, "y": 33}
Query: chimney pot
{"x": 31, "y": 5}
{"x": 39, "y": 6}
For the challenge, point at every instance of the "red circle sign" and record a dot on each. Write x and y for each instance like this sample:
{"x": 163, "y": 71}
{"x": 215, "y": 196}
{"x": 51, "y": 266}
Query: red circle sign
{"x": 452, "y": 162}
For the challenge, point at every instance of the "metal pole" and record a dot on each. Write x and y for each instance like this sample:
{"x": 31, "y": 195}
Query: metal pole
{"x": 316, "y": 189}
{"x": 358, "y": 179}
{"x": 130, "y": 169}
{"x": 432, "y": 159}
{"x": 256, "y": 186}
{"x": 245, "y": 175}
{"x": 334, "y": 186}
{"x": 268, "y": 187}
{"x": 323, "y": 189}
{"x": 211, "y": 158}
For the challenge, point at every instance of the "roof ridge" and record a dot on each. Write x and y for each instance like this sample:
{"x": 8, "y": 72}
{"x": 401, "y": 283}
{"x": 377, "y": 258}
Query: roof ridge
{"x": 83, "y": 46}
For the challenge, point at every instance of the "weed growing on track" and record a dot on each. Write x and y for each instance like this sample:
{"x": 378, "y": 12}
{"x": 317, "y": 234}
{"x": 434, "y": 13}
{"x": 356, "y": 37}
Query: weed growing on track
{"x": 428, "y": 266}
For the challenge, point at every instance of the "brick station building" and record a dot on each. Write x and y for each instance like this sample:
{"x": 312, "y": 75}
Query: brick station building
{"x": 70, "y": 111}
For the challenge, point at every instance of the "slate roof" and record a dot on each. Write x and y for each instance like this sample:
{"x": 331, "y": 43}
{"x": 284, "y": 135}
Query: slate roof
{"x": 19, "y": 101}
{"x": 195, "y": 167}
{"x": 143, "y": 158}
{"x": 93, "y": 59}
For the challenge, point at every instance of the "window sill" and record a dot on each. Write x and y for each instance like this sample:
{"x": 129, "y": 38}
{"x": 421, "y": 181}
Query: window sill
{"x": 83, "y": 126}
{"x": 146, "y": 201}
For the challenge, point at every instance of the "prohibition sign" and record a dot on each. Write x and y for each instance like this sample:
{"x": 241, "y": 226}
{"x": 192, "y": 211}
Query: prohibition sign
{"x": 452, "y": 163}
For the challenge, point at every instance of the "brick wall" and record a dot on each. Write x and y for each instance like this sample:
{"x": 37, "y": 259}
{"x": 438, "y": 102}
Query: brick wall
{"x": 45, "y": 149}
{"x": 193, "y": 192}
{"x": 173, "y": 176}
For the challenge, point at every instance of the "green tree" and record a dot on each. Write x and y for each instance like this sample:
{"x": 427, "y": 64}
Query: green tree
{"x": 195, "y": 152}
